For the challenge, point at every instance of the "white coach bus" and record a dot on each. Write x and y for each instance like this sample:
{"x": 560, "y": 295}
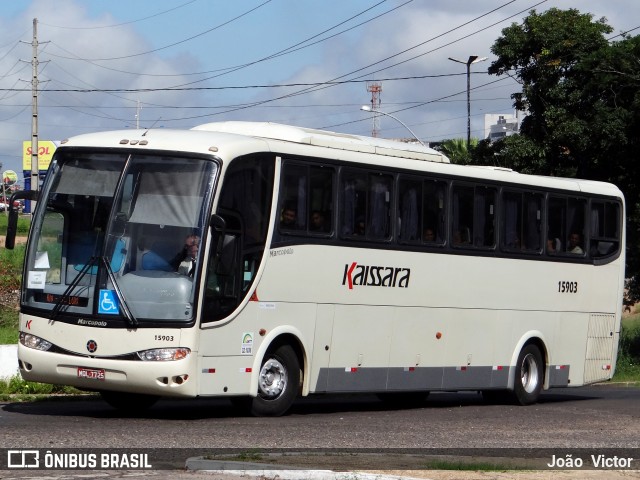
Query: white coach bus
{"x": 316, "y": 262}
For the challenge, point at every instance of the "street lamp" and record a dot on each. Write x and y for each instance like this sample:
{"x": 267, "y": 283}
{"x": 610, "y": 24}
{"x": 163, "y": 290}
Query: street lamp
{"x": 472, "y": 59}
{"x": 367, "y": 108}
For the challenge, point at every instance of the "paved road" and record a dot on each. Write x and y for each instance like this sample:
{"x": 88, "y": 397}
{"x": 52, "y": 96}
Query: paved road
{"x": 594, "y": 418}
{"x": 601, "y": 416}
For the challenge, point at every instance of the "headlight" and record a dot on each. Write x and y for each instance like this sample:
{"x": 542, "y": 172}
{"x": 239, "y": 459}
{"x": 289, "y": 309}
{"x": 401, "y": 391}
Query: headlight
{"x": 164, "y": 354}
{"x": 32, "y": 341}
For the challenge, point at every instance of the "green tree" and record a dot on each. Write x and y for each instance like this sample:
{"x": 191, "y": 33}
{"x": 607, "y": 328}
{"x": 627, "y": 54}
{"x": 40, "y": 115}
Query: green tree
{"x": 457, "y": 151}
{"x": 542, "y": 54}
{"x": 581, "y": 96}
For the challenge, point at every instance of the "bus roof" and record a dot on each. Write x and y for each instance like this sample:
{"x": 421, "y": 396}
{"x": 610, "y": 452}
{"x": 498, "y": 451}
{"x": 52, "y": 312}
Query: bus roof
{"x": 238, "y": 138}
{"x": 328, "y": 139}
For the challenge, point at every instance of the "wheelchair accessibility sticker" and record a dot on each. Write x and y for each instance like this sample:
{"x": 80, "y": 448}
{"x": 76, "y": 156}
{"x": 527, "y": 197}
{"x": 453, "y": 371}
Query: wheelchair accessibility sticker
{"x": 108, "y": 303}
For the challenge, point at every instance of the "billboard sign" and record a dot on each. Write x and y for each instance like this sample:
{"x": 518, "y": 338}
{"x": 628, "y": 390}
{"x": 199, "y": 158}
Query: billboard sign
{"x": 45, "y": 153}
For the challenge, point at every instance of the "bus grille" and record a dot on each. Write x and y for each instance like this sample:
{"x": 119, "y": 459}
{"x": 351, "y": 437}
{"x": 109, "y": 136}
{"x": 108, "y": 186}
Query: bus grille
{"x": 599, "y": 347}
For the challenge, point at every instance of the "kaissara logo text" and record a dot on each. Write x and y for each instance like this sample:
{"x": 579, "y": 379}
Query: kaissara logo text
{"x": 375, "y": 276}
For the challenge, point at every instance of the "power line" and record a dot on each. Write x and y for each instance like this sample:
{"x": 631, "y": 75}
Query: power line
{"x": 239, "y": 87}
{"x": 93, "y": 27}
{"x": 291, "y": 49}
{"x": 172, "y": 44}
{"x": 299, "y": 46}
{"x": 329, "y": 83}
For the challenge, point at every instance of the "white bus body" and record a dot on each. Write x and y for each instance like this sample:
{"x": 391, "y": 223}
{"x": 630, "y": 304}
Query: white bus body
{"x": 273, "y": 311}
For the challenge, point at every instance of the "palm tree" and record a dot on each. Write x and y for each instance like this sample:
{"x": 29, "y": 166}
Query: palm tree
{"x": 456, "y": 150}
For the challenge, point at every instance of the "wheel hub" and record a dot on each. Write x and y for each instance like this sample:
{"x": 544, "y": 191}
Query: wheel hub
{"x": 273, "y": 379}
{"x": 530, "y": 373}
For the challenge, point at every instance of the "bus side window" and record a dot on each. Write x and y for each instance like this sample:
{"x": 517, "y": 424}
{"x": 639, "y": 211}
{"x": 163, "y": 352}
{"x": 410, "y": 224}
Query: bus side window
{"x": 293, "y": 199}
{"x": 566, "y": 226}
{"x": 434, "y": 211}
{"x": 353, "y": 204}
{"x": 366, "y": 205}
{"x": 320, "y": 202}
{"x": 421, "y": 211}
{"x": 306, "y": 201}
{"x": 380, "y": 194}
{"x": 462, "y": 216}
{"x": 605, "y": 228}
{"x": 473, "y": 217}
{"x": 409, "y": 210}
{"x": 556, "y": 225}
{"x": 522, "y": 222}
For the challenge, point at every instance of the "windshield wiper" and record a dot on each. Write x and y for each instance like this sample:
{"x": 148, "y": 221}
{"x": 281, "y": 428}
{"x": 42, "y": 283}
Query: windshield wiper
{"x": 63, "y": 300}
{"x": 67, "y": 293}
{"x": 131, "y": 320}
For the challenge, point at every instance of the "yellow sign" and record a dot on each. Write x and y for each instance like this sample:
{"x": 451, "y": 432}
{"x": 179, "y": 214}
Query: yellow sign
{"x": 9, "y": 177}
{"x": 45, "y": 153}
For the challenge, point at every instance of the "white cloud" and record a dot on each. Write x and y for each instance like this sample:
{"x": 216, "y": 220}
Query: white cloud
{"x": 269, "y": 29}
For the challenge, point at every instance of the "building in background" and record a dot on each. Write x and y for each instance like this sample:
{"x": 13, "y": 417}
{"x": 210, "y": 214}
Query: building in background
{"x": 497, "y": 126}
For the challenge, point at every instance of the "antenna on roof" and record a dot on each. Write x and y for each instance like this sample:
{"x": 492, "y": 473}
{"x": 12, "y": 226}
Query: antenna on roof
{"x": 153, "y": 125}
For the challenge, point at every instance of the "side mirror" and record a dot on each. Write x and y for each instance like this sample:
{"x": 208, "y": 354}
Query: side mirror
{"x": 219, "y": 226}
{"x": 12, "y": 222}
{"x": 218, "y": 223}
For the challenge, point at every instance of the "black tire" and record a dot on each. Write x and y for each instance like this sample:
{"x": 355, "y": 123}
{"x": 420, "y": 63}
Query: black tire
{"x": 529, "y": 375}
{"x": 129, "y": 402}
{"x": 278, "y": 383}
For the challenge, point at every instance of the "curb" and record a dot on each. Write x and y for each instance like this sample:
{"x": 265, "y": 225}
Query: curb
{"x": 268, "y": 472}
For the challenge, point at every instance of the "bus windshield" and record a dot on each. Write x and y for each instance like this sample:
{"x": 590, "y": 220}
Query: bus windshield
{"x": 119, "y": 237}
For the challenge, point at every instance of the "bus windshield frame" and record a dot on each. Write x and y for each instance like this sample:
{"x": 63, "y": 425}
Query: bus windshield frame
{"x": 109, "y": 239}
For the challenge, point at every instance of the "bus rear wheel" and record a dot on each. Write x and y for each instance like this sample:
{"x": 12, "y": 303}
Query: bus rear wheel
{"x": 278, "y": 383}
{"x": 529, "y": 375}
{"x": 129, "y": 402}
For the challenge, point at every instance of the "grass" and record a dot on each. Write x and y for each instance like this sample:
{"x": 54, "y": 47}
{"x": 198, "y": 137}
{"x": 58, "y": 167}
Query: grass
{"x": 471, "y": 466}
{"x": 11, "y": 267}
{"x": 23, "y": 224}
{"x": 8, "y": 326}
{"x": 628, "y": 365}
{"x": 16, "y": 389}
{"x": 10, "y": 276}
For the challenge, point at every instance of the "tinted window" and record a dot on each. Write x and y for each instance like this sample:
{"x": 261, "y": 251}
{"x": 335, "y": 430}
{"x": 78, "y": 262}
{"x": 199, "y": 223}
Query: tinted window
{"x": 366, "y": 205}
{"x": 522, "y": 222}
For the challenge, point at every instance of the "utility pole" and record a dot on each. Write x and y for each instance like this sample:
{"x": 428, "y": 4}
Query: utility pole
{"x": 35, "y": 173}
{"x": 138, "y": 108}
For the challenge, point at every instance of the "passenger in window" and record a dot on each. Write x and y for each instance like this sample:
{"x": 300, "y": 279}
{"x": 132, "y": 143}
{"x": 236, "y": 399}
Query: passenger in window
{"x": 360, "y": 227}
{"x": 185, "y": 262}
{"x": 575, "y": 240}
{"x": 318, "y": 222}
{"x": 553, "y": 245}
{"x": 288, "y": 217}
{"x": 428, "y": 235}
{"x": 459, "y": 238}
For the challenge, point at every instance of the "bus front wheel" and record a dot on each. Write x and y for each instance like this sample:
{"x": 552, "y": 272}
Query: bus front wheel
{"x": 529, "y": 375}
{"x": 278, "y": 383}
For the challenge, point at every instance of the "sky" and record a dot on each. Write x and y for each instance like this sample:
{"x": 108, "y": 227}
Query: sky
{"x": 110, "y": 65}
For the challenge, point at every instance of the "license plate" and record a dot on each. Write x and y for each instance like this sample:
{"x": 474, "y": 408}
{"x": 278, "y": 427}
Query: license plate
{"x": 92, "y": 373}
